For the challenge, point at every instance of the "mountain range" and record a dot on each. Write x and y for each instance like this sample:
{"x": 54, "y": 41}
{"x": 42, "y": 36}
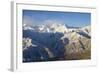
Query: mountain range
{"x": 51, "y": 42}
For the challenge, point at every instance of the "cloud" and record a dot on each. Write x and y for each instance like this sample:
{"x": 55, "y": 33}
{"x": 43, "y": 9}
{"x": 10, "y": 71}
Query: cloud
{"x": 52, "y": 21}
{"x": 31, "y": 21}
{"x": 28, "y": 20}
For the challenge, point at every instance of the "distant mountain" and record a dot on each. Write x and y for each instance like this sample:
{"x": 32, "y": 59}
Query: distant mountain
{"x": 53, "y": 28}
{"x": 27, "y": 27}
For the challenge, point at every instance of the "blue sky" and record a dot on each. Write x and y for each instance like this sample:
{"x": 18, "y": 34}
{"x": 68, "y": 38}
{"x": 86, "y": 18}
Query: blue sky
{"x": 74, "y": 19}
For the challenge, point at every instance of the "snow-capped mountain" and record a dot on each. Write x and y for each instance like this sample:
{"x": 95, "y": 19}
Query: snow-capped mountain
{"x": 27, "y": 27}
{"x": 61, "y": 28}
{"x": 55, "y": 42}
{"x": 71, "y": 33}
{"x": 53, "y": 28}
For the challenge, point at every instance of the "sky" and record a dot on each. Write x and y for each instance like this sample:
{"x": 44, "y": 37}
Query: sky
{"x": 75, "y": 19}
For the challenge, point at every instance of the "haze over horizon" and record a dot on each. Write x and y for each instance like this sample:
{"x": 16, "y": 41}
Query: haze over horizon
{"x": 74, "y": 19}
